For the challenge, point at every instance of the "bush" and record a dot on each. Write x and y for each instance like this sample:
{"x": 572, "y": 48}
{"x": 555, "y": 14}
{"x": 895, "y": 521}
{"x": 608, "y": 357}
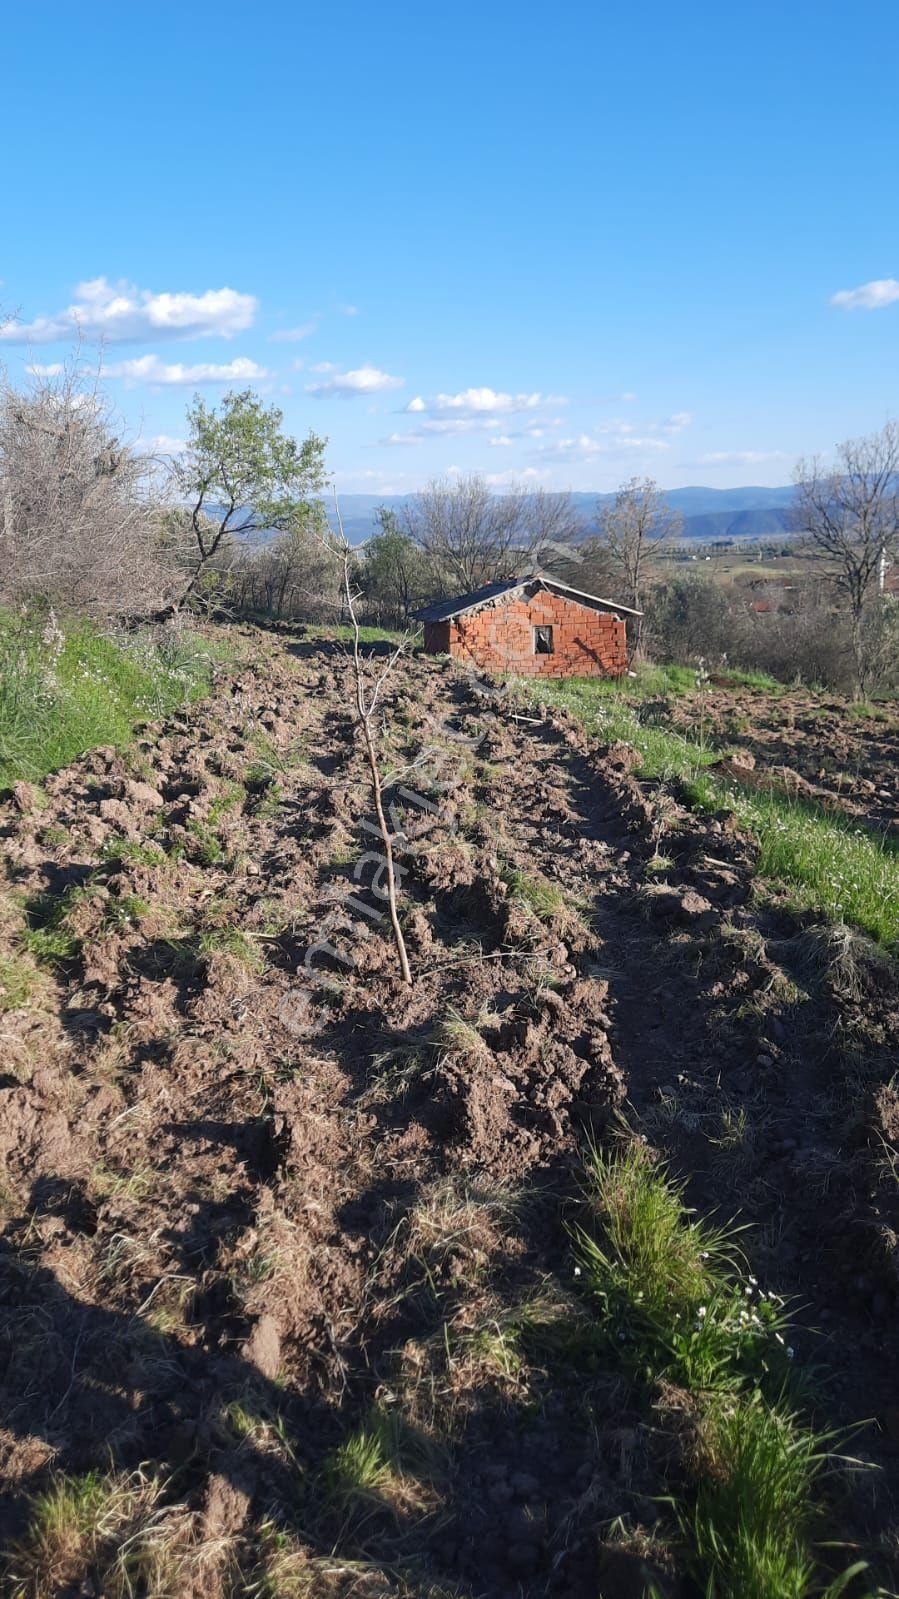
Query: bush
{"x": 689, "y": 617}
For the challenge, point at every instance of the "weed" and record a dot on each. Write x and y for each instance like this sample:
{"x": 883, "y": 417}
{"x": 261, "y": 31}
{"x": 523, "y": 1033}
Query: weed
{"x": 850, "y": 962}
{"x": 748, "y": 1533}
{"x": 51, "y": 946}
{"x": 547, "y": 904}
{"x": 53, "y": 837}
{"x": 207, "y": 847}
{"x": 106, "y": 1183}
{"x": 395, "y": 1072}
{"x": 657, "y": 864}
{"x": 230, "y": 795}
{"x": 270, "y": 760}
{"x": 124, "y": 912}
{"x": 17, "y": 981}
{"x": 133, "y": 852}
{"x": 862, "y": 710}
{"x": 672, "y": 1305}
{"x": 231, "y": 941}
{"x": 113, "y": 1535}
{"x": 269, "y": 802}
{"x": 453, "y": 1035}
{"x": 386, "y": 1468}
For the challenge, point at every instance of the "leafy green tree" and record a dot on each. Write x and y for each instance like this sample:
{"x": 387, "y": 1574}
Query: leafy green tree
{"x": 242, "y": 473}
{"x": 393, "y": 574}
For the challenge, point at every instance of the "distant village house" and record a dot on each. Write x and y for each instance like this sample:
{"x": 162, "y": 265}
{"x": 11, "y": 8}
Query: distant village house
{"x": 533, "y": 626}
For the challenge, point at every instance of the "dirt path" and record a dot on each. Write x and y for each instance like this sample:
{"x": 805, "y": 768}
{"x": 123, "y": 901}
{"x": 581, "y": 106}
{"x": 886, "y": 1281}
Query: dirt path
{"x": 252, "y": 1216}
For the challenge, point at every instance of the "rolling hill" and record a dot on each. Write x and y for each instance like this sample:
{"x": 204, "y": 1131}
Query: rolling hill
{"x": 740, "y": 513}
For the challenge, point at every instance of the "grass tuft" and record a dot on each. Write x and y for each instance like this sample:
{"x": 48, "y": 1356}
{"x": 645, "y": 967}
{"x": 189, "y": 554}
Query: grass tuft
{"x": 674, "y": 1307}
{"x": 109, "y": 1535}
{"x": 17, "y": 982}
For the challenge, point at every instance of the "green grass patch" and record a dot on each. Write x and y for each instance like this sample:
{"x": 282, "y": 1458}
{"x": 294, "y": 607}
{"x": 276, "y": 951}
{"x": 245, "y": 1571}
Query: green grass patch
{"x": 48, "y": 936}
{"x": 133, "y": 852}
{"x": 231, "y": 941}
{"x": 17, "y": 982}
{"x": 862, "y": 710}
{"x": 675, "y": 1306}
{"x": 342, "y": 633}
{"x": 821, "y": 862}
{"x": 66, "y": 689}
{"x": 540, "y": 896}
{"x": 757, "y": 680}
{"x": 206, "y": 847}
{"x": 668, "y": 1286}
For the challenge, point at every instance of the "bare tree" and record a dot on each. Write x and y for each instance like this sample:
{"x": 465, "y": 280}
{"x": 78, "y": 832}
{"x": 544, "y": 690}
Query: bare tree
{"x": 472, "y": 536}
{"x": 82, "y": 512}
{"x": 849, "y": 518}
{"x": 634, "y": 527}
{"x": 365, "y": 700}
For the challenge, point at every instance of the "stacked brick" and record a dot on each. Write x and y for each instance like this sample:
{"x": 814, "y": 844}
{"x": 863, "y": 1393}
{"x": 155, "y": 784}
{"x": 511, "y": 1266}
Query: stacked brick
{"x": 500, "y": 638}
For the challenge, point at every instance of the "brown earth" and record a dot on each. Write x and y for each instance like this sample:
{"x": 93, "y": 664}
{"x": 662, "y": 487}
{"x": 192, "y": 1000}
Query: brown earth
{"x": 817, "y": 747}
{"x": 249, "y": 1213}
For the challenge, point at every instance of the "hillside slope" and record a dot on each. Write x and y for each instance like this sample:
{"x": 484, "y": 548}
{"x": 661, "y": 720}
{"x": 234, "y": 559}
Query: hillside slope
{"x": 287, "y": 1261}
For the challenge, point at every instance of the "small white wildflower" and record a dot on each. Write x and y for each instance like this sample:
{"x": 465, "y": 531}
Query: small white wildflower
{"x": 577, "y": 1271}
{"x": 701, "y": 1312}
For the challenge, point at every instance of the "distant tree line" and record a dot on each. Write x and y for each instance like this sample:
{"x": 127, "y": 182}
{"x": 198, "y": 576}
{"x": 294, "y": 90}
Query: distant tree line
{"x": 91, "y": 522}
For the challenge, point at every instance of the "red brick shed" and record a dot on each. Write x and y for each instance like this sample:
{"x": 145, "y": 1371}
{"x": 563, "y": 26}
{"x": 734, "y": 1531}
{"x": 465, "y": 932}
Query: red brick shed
{"x": 532, "y": 626}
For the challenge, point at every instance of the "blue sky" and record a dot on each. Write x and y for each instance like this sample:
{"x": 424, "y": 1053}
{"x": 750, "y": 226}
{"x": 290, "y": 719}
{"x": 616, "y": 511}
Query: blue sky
{"x": 568, "y": 244}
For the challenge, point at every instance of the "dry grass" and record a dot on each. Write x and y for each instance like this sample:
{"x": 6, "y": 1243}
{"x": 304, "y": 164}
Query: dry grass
{"x": 854, "y": 965}
{"x": 115, "y": 1536}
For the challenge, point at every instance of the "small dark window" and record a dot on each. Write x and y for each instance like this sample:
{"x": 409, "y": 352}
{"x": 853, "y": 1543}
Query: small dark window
{"x": 543, "y": 641}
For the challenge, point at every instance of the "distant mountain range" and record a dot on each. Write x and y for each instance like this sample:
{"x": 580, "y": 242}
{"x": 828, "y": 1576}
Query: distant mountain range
{"x": 746, "y": 513}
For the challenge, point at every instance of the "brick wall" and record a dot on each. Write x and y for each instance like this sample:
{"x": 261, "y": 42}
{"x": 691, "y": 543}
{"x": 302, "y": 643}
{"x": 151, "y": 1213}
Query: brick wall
{"x": 500, "y": 638}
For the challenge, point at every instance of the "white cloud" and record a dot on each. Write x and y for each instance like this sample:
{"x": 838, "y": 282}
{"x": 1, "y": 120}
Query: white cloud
{"x": 445, "y": 427}
{"x": 871, "y": 296}
{"x": 162, "y": 444}
{"x": 588, "y": 446}
{"x": 293, "y": 335}
{"x": 677, "y": 422}
{"x": 372, "y": 478}
{"x": 361, "y": 380}
{"x": 741, "y": 457}
{"x": 477, "y": 402}
{"x": 149, "y": 369}
{"x": 503, "y": 480}
{"x": 348, "y": 310}
{"x": 120, "y": 312}
{"x": 53, "y": 369}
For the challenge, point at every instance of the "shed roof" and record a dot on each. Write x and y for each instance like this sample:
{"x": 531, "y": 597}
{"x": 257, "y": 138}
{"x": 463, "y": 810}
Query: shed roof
{"x": 449, "y": 610}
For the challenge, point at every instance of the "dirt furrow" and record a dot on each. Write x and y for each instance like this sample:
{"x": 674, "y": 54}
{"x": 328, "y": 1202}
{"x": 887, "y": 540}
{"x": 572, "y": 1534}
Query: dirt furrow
{"x": 250, "y": 1206}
